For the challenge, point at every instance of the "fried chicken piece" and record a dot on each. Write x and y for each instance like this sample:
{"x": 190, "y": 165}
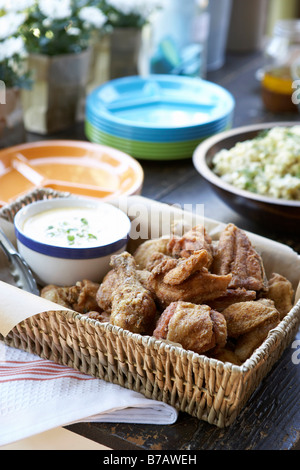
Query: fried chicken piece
{"x": 102, "y": 317}
{"x": 186, "y": 279}
{"x": 110, "y": 281}
{"x": 194, "y": 240}
{"x": 160, "y": 263}
{"x": 280, "y": 290}
{"x": 106, "y": 289}
{"x": 132, "y": 306}
{"x": 219, "y": 328}
{"x": 144, "y": 252}
{"x": 230, "y": 297}
{"x": 178, "y": 270}
{"x": 196, "y": 327}
{"x": 244, "y": 317}
{"x": 81, "y": 297}
{"x": 247, "y": 343}
{"x": 56, "y": 294}
{"x": 236, "y": 255}
{"x": 143, "y": 277}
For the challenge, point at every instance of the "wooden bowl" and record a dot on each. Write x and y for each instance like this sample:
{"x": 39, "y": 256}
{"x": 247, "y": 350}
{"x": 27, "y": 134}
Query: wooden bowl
{"x": 282, "y": 214}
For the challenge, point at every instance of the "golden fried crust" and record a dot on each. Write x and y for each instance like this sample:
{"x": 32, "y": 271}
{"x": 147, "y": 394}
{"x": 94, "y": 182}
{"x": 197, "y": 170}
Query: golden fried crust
{"x": 280, "y": 290}
{"x": 199, "y": 288}
{"x": 235, "y": 254}
{"x": 106, "y": 289}
{"x": 161, "y": 264}
{"x": 192, "y": 327}
{"x": 194, "y": 240}
{"x": 144, "y": 252}
{"x": 102, "y": 317}
{"x": 243, "y": 317}
{"x": 230, "y": 297}
{"x": 219, "y": 328}
{"x": 177, "y": 270}
{"x": 195, "y": 327}
{"x": 56, "y": 294}
{"x": 81, "y": 297}
{"x": 133, "y": 309}
{"x": 162, "y": 325}
{"x": 247, "y": 343}
{"x": 109, "y": 285}
{"x": 132, "y": 306}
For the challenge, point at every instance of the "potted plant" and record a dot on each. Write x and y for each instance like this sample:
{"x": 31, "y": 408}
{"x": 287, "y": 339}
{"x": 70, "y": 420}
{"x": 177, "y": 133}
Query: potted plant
{"x": 12, "y": 77}
{"x": 125, "y": 22}
{"x": 57, "y": 35}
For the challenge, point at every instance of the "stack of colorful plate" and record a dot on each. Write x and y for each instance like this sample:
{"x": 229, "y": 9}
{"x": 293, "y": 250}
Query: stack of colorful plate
{"x": 160, "y": 117}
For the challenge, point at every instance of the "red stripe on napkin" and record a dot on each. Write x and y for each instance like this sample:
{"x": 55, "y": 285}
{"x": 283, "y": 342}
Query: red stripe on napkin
{"x": 37, "y": 370}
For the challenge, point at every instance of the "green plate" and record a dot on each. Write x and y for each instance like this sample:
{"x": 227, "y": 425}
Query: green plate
{"x": 144, "y": 150}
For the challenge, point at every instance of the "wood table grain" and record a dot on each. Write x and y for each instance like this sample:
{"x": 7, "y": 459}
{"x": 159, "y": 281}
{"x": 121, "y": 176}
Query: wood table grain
{"x": 270, "y": 420}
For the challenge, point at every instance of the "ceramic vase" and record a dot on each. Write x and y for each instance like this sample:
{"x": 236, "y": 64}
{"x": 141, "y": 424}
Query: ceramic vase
{"x": 57, "y": 96}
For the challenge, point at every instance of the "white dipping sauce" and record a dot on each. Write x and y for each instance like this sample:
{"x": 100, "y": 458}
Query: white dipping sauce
{"x": 74, "y": 227}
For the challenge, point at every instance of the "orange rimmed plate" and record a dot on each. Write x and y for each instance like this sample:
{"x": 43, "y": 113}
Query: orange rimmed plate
{"x": 82, "y": 168}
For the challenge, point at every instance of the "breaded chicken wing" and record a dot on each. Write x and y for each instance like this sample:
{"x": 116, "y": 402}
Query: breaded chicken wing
{"x": 144, "y": 252}
{"x": 185, "y": 279}
{"x": 81, "y": 297}
{"x": 178, "y": 270}
{"x": 193, "y": 240}
{"x": 280, "y": 290}
{"x": 132, "y": 306}
{"x": 244, "y": 317}
{"x": 106, "y": 289}
{"x": 236, "y": 255}
{"x": 196, "y": 327}
{"x": 232, "y": 296}
{"x": 248, "y": 342}
{"x": 109, "y": 284}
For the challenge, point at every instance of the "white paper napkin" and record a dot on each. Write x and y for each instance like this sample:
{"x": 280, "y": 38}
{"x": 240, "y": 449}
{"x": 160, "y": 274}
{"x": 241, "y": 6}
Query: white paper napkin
{"x": 37, "y": 395}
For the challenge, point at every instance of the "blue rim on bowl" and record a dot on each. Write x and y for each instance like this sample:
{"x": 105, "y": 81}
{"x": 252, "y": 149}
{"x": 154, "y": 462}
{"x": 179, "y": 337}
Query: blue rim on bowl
{"x": 71, "y": 252}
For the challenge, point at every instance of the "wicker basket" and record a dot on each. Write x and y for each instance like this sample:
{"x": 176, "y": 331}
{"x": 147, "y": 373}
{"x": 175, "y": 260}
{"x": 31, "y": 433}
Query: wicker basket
{"x": 205, "y": 388}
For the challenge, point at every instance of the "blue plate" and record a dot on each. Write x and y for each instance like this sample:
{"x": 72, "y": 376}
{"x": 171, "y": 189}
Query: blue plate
{"x": 167, "y": 136}
{"x": 160, "y": 103}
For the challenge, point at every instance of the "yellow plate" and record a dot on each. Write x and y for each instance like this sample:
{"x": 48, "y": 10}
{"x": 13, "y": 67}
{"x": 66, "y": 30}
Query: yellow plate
{"x": 79, "y": 167}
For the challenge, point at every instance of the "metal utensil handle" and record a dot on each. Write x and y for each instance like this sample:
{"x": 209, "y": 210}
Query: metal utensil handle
{"x": 19, "y": 264}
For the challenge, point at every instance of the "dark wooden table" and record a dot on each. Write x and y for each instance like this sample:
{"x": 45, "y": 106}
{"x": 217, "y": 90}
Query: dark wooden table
{"x": 271, "y": 419}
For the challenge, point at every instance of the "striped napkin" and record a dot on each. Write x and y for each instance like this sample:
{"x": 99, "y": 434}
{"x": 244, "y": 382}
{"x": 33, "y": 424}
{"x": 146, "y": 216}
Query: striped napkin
{"x": 37, "y": 395}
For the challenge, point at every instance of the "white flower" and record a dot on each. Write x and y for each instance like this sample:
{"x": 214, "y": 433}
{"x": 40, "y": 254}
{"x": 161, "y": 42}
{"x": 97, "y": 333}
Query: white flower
{"x": 56, "y": 9}
{"x": 11, "y": 47}
{"x": 10, "y": 23}
{"x": 16, "y": 5}
{"x": 47, "y": 23}
{"x": 73, "y": 31}
{"x": 142, "y": 8}
{"x": 92, "y": 16}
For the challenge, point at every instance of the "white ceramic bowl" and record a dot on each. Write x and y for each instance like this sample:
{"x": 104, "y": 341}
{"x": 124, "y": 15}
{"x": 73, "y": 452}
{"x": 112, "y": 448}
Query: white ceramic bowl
{"x": 49, "y": 245}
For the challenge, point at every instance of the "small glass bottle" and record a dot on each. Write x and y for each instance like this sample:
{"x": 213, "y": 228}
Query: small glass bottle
{"x": 281, "y": 52}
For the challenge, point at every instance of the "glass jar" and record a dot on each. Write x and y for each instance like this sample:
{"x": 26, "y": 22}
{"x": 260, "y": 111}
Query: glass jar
{"x": 178, "y": 37}
{"x": 281, "y": 53}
